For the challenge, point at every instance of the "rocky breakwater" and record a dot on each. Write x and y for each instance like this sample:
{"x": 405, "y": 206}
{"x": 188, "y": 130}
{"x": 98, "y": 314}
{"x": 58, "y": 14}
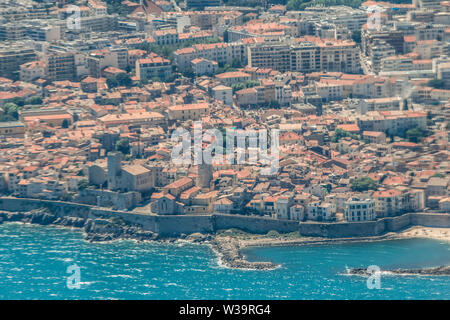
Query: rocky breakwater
{"x": 438, "y": 271}
{"x": 94, "y": 229}
{"x": 229, "y": 251}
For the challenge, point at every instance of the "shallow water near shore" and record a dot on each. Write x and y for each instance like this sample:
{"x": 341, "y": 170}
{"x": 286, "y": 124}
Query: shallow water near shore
{"x": 34, "y": 261}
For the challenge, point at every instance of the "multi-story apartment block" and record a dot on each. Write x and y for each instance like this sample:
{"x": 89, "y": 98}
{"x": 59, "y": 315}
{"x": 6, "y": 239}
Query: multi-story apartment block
{"x": 222, "y": 53}
{"x": 166, "y": 36}
{"x": 443, "y": 73}
{"x": 377, "y": 51}
{"x": 427, "y": 4}
{"x": 392, "y": 122}
{"x": 396, "y": 201}
{"x": 359, "y": 210}
{"x": 351, "y": 18}
{"x": 103, "y": 23}
{"x": 321, "y": 211}
{"x": 276, "y": 56}
{"x": 396, "y": 63}
{"x": 268, "y": 30}
{"x": 153, "y": 67}
{"x": 112, "y": 57}
{"x": 98, "y": 7}
{"x": 60, "y": 65}
{"x": 307, "y": 54}
{"x": 12, "y": 56}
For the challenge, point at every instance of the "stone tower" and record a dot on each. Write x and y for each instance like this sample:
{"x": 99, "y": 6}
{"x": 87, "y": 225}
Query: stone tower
{"x": 114, "y": 169}
{"x": 204, "y": 175}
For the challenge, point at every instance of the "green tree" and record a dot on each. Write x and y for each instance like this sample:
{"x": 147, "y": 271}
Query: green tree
{"x": 123, "y": 145}
{"x": 415, "y": 134}
{"x": 34, "y": 100}
{"x": 65, "y": 124}
{"x": 7, "y": 118}
{"x": 436, "y": 83}
{"x": 363, "y": 184}
{"x": 274, "y": 104}
{"x": 11, "y": 111}
{"x": 112, "y": 82}
{"x": 439, "y": 175}
{"x": 83, "y": 184}
{"x": 124, "y": 79}
{"x": 356, "y": 36}
{"x": 19, "y": 101}
{"x": 341, "y": 133}
{"x": 189, "y": 73}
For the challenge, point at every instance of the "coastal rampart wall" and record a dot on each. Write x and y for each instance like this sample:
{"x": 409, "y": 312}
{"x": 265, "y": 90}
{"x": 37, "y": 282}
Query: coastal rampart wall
{"x": 252, "y": 224}
{"x": 59, "y": 208}
{"x": 176, "y": 225}
{"x": 147, "y": 222}
{"x": 431, "y": 219}
{"x": 373, "y": 228}
{"x": 332, "y": 230}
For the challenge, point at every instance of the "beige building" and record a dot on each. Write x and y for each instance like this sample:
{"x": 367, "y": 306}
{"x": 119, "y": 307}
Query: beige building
{"x": 223, "y": 93}
{"x": 12, "y": 129}
{"x": 137, "y": 178}
{"x": 396, "y": 201}
{"x": 188, "y": 111}
{"x": 32, "y": 70}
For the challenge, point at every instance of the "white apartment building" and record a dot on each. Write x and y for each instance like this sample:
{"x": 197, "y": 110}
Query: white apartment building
{"x": 359, "y": 210}
{"x": 321, "y": 211}
{"x": 222, "y": 53}
{"x": 392, "y": 122}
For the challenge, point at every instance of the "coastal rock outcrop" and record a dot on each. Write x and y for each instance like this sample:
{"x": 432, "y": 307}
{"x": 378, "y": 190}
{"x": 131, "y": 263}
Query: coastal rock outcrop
{"x": 198, "y": 237}
{"x": 95, "y": 229}
{"x": 113, "y": 229}
{"x": 438, "y": 271}
{"x": 39, "y": 216}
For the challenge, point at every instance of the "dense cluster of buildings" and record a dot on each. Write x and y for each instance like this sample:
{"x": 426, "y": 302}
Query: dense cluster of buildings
{"x": 89, "y": 105}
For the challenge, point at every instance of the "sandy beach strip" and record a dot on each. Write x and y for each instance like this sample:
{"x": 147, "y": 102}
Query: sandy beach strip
{"x": 409, "y": 233}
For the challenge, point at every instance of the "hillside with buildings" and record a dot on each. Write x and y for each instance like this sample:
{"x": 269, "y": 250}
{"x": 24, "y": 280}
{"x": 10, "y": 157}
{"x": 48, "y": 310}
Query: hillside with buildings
{"x": 92, "y": 92}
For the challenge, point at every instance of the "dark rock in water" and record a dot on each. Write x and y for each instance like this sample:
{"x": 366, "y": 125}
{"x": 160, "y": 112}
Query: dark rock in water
{"x": 438, "y": 271}
{"x": 14, "y": 216}
{"x": 196, "y": 237}
{"x": 42, "y": 217}
{"x": 70, "y": 222}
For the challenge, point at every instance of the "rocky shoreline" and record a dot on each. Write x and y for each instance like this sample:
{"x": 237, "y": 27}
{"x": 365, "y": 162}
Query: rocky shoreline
{"x": 227, "y": 248}
{"x": 100, "y": 230}
{"x": 438, "y": 271}
{"x": 94, "y": 229}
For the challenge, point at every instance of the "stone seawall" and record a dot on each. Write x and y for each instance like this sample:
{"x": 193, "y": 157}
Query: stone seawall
{"x": 373, "y": 228}
{"x": 252, "y": 224}
{"x": 59, "y": 208}
{"x": 187, "y": 224}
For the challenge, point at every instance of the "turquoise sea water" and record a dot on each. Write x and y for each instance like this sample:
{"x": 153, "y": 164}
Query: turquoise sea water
{"x": 34, "y": 262}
